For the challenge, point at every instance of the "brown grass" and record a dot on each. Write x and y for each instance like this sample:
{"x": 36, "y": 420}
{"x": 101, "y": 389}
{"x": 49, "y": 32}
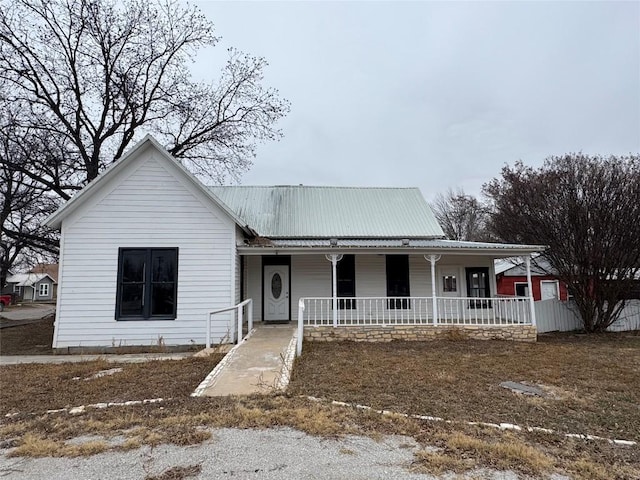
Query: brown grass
{"x": 177, "y": 473}
{"x": 188, "y": 421}
{"x": 594, "y": 380}
{"x": 30, "y": 339}
{"x": 32, "y": 388}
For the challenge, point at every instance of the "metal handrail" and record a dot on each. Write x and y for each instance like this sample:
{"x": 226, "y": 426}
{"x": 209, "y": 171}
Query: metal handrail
{"x": 239, "y": 308}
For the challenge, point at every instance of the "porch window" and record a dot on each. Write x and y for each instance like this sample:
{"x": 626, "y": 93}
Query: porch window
{"x": 449, "y": 283}
{"x": 478, "y": 287}
{"x": 398, "y": 281}
{"x": 43, "y": 290}
{"x": 346, "y": 273}
{"x": 147, "y": 284}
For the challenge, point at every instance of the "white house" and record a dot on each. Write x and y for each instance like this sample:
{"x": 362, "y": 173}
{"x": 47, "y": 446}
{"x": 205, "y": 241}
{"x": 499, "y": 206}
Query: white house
{"x": 147, "y": 251}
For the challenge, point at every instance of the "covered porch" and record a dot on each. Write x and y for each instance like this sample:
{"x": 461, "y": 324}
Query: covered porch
{"x": 382, "y": 283}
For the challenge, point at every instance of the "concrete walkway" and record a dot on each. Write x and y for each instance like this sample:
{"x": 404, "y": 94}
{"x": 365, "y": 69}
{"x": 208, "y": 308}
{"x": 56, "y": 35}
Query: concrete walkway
{"x": 260, "y": 364}
{"x": 15, "y": 315}
{"x": 109, "y": 357}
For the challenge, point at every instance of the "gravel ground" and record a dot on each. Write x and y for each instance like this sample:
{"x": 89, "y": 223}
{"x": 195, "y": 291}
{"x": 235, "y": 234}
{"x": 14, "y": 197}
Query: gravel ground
{"x": 276, "y": 454}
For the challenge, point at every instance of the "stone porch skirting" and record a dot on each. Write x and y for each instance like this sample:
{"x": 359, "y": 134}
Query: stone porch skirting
{"x": 387, "y": 333}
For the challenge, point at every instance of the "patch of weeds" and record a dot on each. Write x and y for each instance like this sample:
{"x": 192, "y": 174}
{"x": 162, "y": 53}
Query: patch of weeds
{"x": 347, "y": 451}
{"x": 433, "y": 462}
{"x": 177, "y": 473}
{"x": 36, "y": 446}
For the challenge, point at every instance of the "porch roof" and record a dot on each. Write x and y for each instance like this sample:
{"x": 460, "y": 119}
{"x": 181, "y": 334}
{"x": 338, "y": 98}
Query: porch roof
{"x": 265, "y": 246}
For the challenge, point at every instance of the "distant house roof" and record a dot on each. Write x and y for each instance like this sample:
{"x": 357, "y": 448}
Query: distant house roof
{"x": 325, "y": 212}
{"x": 28, "y": 279}
{"x": 50, "y": 269}
{"x": 514, "y": 267}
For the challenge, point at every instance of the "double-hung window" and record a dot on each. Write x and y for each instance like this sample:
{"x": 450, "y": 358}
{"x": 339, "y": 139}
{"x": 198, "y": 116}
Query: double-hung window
{"x": 43, "y": 290}
{"x": 147, "y": 284}
{"x": 398, "y": 281}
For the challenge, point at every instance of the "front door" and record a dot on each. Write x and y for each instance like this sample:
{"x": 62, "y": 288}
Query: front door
{"x": 478, "y": 287}
{"x": 276, "y": 293}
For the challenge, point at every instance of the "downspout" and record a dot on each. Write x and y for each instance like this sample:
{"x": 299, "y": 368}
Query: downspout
{"x": 334, "y": 259}
{"x": 433, "y": 259}
{"x": 527, "y": 262}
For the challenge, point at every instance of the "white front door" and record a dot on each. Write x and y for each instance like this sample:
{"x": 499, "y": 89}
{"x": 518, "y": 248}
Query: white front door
{"x": 276, "y": 293}
{"x": 549, "y": 289}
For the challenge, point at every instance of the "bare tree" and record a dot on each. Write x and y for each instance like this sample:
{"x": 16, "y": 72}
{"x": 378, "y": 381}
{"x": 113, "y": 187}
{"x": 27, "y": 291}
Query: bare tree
{"x": 95, "y": 75}
{"x": 23, "y": 202}
{"x": 587, "y": 210}
{"x": 462, "y": 217}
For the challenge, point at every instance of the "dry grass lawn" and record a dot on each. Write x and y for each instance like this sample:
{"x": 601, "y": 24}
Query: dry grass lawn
{"x": 30, "y": 339}
{"x": 594, "y": 382}
{"x": 34, "y": 388}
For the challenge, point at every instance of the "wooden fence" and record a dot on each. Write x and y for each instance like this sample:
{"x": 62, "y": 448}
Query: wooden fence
{"x": 554, "y": 315}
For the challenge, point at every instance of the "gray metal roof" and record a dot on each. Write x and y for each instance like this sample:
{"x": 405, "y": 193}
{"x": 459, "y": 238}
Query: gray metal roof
{"x": 323, "y": 212}
{"x": 299, "y": 245}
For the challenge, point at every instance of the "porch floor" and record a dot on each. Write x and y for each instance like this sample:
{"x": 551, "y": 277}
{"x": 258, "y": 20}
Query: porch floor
{"x": 256, "y": 365}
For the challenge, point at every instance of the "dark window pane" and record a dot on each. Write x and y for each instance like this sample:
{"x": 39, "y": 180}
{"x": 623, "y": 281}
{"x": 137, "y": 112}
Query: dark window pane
{"x": 133, "y": 266}
{"x": 164, "y": 266}
{"x": 449, "y": 283}
{"x": 162, "y": 299}
{"x": 131, "y": 302}
{"x": 346, "y": 273}
{"x": 398, "y": 275}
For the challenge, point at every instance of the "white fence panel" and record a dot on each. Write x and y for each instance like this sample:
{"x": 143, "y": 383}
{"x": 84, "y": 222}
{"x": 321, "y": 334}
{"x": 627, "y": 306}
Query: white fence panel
{"x": 629, "y": 318}
{"x": 554, "y": 315}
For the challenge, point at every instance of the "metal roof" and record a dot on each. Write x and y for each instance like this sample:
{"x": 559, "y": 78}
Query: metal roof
{"x": 323, "y": 212}
{"x": 27, "y": 279}
{"x": 263, "y": 245}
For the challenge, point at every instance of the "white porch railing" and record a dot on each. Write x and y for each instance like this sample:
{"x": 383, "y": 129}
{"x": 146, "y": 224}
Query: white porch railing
{"x": 371, "y": 311}
{"x": 240, "y": 308}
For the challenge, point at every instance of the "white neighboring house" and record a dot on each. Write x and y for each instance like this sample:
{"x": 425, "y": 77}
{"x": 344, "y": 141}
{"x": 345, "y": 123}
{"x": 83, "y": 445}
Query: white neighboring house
{"x": 147, "y": 251}
{"x": 31, "y": 287}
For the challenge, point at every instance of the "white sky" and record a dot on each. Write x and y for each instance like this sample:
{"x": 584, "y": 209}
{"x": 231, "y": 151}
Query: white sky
{"x": 435, "y": 94}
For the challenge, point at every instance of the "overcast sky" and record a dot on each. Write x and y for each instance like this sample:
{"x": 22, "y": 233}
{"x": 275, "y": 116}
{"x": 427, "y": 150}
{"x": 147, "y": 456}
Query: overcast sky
{"x": 435, "y": 94}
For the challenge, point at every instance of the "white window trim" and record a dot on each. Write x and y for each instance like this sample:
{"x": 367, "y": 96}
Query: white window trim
{"x": 557, "y": 284}
{"x": 515, "y": 289}
{"x": 46, "y": 290}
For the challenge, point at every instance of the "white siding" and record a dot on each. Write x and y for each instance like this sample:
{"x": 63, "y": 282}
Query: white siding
{"x": 310, "y": 277}
{"x": 253, "y": 279}
{"x": 149, "y": 204}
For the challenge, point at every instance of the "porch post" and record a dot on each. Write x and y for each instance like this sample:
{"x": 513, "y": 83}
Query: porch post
{"x": 334, "y": 258}
{"x": 527, "y": 262}
{"x": 433, "y": 259}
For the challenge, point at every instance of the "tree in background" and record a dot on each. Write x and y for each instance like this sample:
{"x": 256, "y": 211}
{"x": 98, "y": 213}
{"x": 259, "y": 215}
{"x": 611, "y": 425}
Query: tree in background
{"x": 586, "y": 209}
{"x": 23, "y": 203}
{"x": 93, "y": 76}
{"x": 462, "y": 217}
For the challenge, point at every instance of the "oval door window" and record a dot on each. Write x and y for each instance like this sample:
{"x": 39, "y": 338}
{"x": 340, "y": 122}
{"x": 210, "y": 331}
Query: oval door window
{"x": 276, "y": 286}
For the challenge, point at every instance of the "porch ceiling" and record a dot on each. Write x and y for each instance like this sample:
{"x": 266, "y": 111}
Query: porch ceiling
{"x": 385, "y": 245}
